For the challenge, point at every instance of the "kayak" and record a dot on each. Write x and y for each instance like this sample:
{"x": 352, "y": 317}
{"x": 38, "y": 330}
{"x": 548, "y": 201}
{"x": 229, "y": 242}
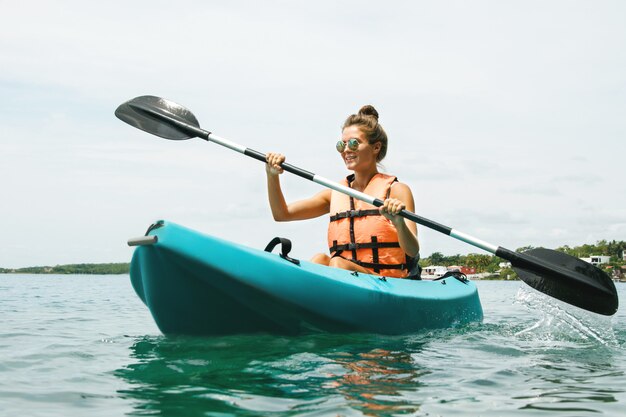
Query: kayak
{"x": 195, "y": 284}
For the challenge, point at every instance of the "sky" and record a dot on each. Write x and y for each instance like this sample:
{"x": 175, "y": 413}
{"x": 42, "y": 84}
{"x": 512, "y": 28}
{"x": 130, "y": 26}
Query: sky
{"x": 506, "y": 118}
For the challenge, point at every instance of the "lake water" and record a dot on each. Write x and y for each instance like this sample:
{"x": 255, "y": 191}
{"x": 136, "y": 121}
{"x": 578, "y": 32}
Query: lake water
{"x": 87, "y": 346}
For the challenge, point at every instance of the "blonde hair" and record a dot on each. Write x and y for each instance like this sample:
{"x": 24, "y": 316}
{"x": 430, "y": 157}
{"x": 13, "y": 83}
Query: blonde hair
{"x": 367, "y": 121}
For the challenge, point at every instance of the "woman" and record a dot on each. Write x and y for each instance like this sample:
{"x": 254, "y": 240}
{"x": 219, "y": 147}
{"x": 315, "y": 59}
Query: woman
{"x": 361, "y": 237}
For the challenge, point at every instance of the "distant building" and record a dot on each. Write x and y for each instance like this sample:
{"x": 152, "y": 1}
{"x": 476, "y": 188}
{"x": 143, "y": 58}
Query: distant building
{"x": 597, "y": 260}
{"x": 433, "y": 271}
{"x": 624, "y": 255}
{"x": 462, "y": 269}
{"x": 504, "y": 265}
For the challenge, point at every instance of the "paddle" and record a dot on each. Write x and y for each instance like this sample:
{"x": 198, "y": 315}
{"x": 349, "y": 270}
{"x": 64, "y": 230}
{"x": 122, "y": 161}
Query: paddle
{"x": 559, "y": 275}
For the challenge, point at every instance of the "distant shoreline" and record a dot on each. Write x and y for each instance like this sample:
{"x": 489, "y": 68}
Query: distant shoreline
{"x": 124, "y": 269}
{"x": 72, "y": 269}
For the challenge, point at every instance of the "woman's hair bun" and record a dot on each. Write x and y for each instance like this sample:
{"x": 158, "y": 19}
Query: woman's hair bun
{"x": 367, "y": 122}
{"x": 368, "y": 110}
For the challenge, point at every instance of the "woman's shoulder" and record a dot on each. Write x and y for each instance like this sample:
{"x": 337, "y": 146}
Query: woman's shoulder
{"x": 400, "y": 188}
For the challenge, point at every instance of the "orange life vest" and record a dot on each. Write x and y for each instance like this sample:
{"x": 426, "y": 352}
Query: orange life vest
{"x": 357, "y": 229}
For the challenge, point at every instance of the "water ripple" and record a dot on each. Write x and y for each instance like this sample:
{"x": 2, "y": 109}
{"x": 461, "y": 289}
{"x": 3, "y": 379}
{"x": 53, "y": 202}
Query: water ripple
{"x": 530, "y": 356}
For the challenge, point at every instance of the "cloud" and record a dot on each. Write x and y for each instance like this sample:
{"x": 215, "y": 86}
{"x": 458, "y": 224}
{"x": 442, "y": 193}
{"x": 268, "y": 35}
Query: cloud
{"x": 505, "y": 122}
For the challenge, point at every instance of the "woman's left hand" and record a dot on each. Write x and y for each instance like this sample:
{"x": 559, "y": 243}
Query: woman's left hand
{"x": 390, "y": 209}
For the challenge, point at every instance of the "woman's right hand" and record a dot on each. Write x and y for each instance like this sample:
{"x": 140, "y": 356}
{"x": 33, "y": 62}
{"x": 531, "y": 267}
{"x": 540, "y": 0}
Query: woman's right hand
{"x": 273, "y": 163}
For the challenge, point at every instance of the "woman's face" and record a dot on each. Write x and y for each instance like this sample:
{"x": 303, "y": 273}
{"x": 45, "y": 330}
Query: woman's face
{"x": 364, "y": 156}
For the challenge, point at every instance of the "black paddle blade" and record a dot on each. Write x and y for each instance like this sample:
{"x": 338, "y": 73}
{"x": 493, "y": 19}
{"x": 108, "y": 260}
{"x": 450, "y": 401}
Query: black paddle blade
{"x": 158, "y": 116}
{"x": 568, "y": 279}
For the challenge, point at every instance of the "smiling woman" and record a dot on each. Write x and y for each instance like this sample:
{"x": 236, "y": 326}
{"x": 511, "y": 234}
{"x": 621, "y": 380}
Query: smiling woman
{"x": 561, "y": 276}
{"x": 361, "y": 237}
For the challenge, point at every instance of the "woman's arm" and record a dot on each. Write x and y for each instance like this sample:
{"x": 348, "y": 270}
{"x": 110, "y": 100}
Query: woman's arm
{"x": 308, "y": 208}
{"x": 401, "y": 198}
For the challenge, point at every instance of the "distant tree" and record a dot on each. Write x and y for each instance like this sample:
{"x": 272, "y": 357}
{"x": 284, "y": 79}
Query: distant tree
{"x": 615, "y": 250}
{"x": 508, "y": 273}
{"x": 494, "y": 264}
{"x": 480, "y": 262}
{"x": 98, "y": 269}
{"x": 452, "y": 260}
{"x": 436, "y": 258}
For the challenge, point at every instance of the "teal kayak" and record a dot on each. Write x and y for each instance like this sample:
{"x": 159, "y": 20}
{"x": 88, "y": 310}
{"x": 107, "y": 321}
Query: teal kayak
{"x": 197, "y": 284}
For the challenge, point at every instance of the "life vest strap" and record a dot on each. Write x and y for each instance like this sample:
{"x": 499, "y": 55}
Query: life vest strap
{"x": 377, "y": 248}
{"x": 367, "y": 245}
{"x": 378, "y": 266}
{"x": 354, "y": 213}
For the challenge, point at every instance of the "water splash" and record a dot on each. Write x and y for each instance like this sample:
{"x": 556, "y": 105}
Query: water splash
{"x": 561, "y": 321}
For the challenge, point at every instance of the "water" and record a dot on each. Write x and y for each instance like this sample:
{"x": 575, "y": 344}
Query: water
{"x": 86, "y": 345}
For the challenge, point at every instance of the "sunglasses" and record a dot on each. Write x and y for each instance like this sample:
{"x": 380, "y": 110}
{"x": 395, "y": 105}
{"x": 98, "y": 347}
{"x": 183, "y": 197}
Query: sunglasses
{"x": 353, "y": 145}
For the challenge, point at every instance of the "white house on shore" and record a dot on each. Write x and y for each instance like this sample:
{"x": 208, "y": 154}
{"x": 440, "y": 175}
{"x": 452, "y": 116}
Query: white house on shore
{"x": 433, "y": 271}
{"x": 597, "y": 260}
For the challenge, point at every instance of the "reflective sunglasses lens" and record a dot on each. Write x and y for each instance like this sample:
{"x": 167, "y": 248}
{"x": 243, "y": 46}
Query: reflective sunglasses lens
{"x": 340, "y": 146}
{"x": 353, "y": 144}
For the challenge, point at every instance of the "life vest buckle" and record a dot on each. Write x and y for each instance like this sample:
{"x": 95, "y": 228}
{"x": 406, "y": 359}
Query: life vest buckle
{"x": 355, "y": 213}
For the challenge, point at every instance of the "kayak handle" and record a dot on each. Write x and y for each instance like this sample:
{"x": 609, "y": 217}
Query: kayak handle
{"x": 143, "y": 240}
